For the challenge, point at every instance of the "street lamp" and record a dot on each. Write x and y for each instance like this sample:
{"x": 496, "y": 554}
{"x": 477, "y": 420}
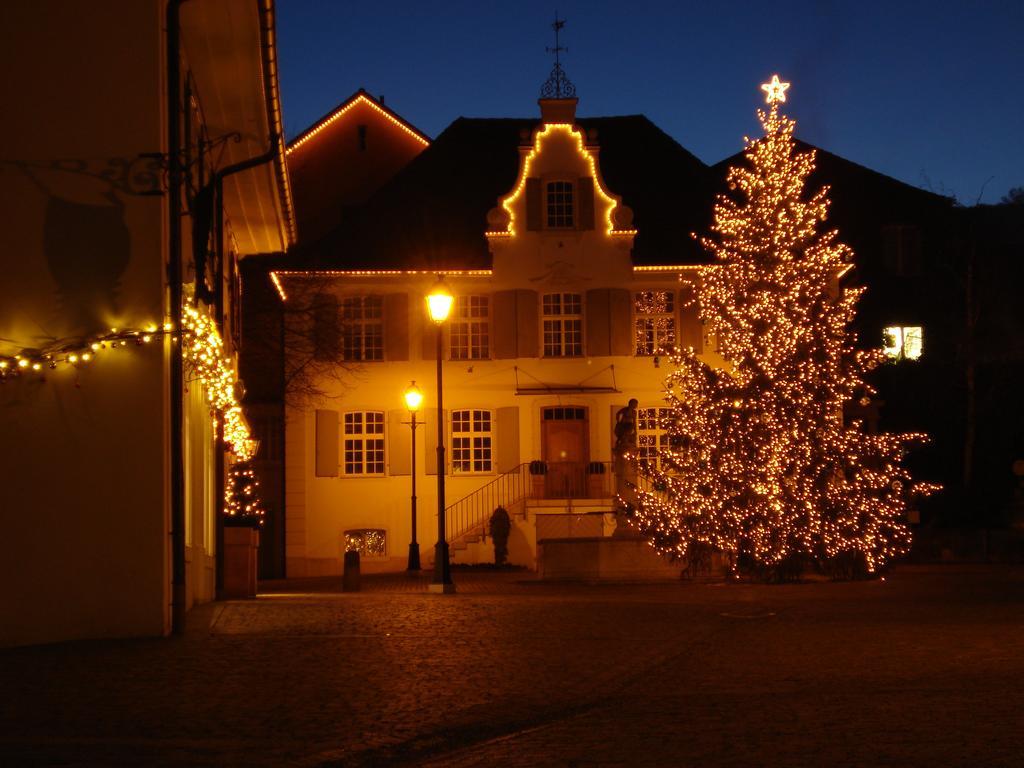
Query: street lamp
{"x": 439, "y": 305}
{"x": 413, "y": 400}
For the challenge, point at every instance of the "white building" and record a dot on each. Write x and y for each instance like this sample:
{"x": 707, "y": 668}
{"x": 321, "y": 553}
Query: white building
{"x": 564, "y": 310}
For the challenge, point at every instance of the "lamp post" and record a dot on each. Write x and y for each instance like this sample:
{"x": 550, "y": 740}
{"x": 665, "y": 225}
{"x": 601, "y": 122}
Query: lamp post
{"x": 413, "y": 399}
{"x": 439, "y": 305}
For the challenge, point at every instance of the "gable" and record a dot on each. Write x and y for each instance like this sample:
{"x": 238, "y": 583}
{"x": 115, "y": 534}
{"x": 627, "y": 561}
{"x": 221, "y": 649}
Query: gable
{"x": 344, "y": 158}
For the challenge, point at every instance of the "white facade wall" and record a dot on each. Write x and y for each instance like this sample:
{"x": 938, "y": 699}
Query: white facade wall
{"x": 590, "y": 262}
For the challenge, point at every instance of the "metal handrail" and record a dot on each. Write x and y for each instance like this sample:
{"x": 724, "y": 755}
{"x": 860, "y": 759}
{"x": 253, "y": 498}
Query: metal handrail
{"x": 474, "y": 509}
{"x": 559, "y": 480}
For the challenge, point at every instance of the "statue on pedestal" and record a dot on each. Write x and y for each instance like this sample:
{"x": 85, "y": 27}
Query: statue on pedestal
{"x": 625, "y": 462}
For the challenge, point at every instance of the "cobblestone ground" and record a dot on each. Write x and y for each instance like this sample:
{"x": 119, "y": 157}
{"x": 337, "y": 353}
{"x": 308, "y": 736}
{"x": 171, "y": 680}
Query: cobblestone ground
{"x": 925, "y": 668}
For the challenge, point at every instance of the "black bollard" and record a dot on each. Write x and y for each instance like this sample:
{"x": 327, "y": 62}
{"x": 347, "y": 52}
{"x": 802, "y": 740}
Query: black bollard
{"x": 350, "y": 580}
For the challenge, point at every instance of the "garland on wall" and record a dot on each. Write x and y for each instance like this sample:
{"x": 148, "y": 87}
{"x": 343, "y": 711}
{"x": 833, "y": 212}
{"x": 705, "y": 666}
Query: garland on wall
{"x": 204, "y": 358}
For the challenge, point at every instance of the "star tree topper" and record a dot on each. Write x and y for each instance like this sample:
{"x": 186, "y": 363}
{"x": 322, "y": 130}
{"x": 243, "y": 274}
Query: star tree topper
{"x": 775, "y": 90}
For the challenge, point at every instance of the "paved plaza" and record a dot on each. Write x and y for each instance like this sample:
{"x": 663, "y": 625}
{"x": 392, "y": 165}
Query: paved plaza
{"x": 924, "y": 668}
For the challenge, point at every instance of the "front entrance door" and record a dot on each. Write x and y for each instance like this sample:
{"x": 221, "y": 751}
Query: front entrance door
{"x": 566, "y": 450}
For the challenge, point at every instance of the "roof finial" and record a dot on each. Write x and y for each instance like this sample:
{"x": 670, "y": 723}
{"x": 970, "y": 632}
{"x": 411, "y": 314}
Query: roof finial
{"x": 557, "y": 86}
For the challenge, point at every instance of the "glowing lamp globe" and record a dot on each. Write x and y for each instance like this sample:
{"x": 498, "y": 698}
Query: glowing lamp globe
{"x": 439, "y": 302}
{"x": 413, "y": 397}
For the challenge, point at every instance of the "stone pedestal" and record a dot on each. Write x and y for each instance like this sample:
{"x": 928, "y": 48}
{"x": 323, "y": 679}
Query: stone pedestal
{"x": 625, "y": 557}
{"x": 625, "y": 489}
{"x": 240, "y": 548}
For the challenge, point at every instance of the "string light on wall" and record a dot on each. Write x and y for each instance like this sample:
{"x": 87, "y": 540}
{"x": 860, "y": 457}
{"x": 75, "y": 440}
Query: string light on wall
{"x": 203, "y": 352}
{"x": 76, "y": 353}
{"x": 206, "y": 361}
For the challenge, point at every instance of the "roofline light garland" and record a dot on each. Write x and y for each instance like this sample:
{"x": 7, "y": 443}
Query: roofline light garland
{"x": 277, "y": 284}
{"x": 331, "y": 119}
{"x": 277, "y": 275}
{"x": 509, "y": 199}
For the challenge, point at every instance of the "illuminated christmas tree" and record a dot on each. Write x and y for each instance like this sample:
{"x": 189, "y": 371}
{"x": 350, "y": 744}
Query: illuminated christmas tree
{"x": 241, "y": 496}
{"x": 761, "y": 463}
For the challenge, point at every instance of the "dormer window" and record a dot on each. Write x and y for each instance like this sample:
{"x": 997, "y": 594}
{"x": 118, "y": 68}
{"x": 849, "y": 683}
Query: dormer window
{"x": 560, "y": 205}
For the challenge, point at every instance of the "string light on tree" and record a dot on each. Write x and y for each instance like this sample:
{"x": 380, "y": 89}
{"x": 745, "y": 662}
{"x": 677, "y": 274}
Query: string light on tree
{"x": 760, "y": 462}
{"x": 241, "y": 494}
{"x": 775, "y": 91}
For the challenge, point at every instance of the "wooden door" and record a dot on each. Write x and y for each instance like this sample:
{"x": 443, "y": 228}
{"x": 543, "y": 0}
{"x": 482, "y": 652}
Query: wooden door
{"x": 566, "y": 450}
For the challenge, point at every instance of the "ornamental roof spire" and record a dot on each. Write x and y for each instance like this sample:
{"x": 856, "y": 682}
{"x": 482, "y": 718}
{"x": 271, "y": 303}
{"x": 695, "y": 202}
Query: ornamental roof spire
{"x": 558, "y": 94}
{"x": 558, "y": 85}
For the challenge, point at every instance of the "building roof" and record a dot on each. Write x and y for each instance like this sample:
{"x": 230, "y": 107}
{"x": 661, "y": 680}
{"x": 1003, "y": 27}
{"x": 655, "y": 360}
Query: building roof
{"x": 432, "y": 215}
{"x": 232, "y": 55}
{"x": 362, "y": 95}
{"x": 862, "y": 200}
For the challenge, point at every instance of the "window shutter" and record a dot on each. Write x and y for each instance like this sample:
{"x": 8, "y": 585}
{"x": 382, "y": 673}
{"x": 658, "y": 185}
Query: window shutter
{"x": 527, "y": 342}
{"x": 534, "y": 204}
{"x": 430, "y": 440}
{"x": 399, "y": 445}
{"x": 503, "y": 325}
{"x": 691, "y": 332}
{"x": 326, "y": 327}
{"x": 620, "y": 323}
{"x": 597, "y": 309}
{"x": 429, "y": 340}
{"x": 396, "y": 326}
{"x": 327, "y": 443}
{"x": 507, "y": 438}
{"x": 585, "y": 196}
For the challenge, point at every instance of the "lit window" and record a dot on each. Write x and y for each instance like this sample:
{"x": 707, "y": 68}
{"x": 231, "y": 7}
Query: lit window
{"x": 651, "y": 437}
{"x": 362, "y": 328}
{"x": 364, "y": 443}
{"x": 560, "y": 204}
{"x": 563, "y": 324}
{"x": 471, "y": 441}
{"x": 470, "y": 328}
{"x": 655, "y": 322}
{"x": 903, "y": 342}
{"x": 368, "y": 542}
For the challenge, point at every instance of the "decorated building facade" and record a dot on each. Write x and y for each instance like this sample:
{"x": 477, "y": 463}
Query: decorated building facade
{"x": 147, "y": 165}
{"x": 568, "y": 245}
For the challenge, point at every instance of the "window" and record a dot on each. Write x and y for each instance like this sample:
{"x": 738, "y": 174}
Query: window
{"x": 368, "y": 542}
{"x": 362, "y": 328}
{"x": 565, "y": 413}
{"x": 364, "y": 443}
{"x": 651, "y": 437}
{"x": 655, "y": 322}
{"x": 903, "y": 342}
{"x": 470, "y": 328}
{"x": 560, "y": 205}
{"x": 471, "y": 441}
{"x": 563, "y": 324}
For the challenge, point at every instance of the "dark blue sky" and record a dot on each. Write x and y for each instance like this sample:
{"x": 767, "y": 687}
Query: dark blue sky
{"x": 931, "y": 93}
